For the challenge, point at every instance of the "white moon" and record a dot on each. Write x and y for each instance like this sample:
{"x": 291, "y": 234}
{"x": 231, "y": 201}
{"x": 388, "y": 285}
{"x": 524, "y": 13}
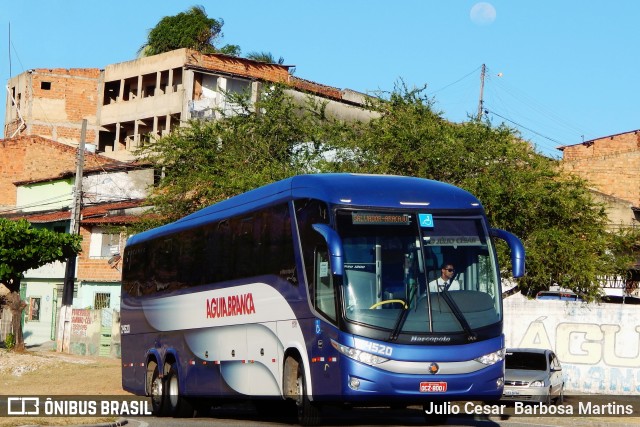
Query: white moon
{"x": 483, "y": 13}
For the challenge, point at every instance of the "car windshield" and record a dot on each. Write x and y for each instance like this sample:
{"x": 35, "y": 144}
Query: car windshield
{"x": 526, "y": 360}
{"x": 393, "y": 268}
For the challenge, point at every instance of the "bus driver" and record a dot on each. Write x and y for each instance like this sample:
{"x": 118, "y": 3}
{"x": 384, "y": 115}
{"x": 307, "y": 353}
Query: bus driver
{"x": 446, "y": 280}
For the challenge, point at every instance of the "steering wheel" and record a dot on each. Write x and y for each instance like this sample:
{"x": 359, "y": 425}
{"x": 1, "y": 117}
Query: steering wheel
{"x": 388, "y": 301}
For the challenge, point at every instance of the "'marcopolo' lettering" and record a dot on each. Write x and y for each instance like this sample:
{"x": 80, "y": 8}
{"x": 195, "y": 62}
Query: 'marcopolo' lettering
{"x": 232, "y": 305}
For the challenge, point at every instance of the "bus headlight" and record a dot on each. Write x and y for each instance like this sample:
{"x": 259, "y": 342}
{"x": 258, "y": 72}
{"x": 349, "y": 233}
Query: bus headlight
{"x": 491, "y": 358}
{"x": 359, "y": 355}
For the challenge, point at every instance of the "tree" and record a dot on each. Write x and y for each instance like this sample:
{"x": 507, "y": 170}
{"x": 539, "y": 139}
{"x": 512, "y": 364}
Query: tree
{"x": 563, "y": 229}
{"x": 23, "y": 248}
{"x": 265, "y": 57}
{"x": 252, "y": 145}
{"x": 192, "y": 29}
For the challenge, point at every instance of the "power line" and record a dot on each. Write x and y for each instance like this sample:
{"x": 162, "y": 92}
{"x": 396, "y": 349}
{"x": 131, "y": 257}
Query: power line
{"x": 456, "y": 82}
{"x": 523, "y": 127}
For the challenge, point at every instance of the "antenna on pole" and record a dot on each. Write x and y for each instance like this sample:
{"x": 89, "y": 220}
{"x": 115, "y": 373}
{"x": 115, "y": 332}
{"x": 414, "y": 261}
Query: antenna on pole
{"x": 481, "y": 100}
{"x": 10, "y": 75}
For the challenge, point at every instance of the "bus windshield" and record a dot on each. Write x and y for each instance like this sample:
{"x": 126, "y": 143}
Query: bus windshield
{"x": 418, "y": 273}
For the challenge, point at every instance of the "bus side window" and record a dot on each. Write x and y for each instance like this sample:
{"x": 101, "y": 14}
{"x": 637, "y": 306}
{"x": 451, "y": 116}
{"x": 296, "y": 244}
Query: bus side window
{"x": 324, "y": 292}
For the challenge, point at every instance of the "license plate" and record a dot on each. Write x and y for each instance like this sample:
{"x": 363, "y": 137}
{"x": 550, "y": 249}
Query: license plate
{"x": 433, "y": 386}
{"x": 511, "y": 393}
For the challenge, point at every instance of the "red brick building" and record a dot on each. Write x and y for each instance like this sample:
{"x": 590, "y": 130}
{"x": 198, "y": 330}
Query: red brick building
{"x": 28, "y": 158}
{"x": 52, "y": 103}
{"x": 610, "y": 164}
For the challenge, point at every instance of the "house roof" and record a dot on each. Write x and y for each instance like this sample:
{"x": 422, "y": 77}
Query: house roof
{"x": 45, "y": 217}
{"x": 592, "y": 141}
{"x": 110, "y": 213}
{"x": 104, "y": 213}
{"x": 114, "y": 166}
{"x": 55, "y": 171}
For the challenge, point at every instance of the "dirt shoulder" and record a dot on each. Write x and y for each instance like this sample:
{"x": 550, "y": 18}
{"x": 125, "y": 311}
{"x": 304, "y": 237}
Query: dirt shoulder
{"x": 48, "y": 373}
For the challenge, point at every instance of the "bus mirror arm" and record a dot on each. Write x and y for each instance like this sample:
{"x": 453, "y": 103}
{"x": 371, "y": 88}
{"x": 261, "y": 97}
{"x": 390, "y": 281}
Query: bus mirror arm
{"x": 334, "y": 243}
{"x": 517, "y": 250}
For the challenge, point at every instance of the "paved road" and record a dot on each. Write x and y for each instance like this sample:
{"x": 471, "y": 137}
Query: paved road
{"x": 246, "y": 415}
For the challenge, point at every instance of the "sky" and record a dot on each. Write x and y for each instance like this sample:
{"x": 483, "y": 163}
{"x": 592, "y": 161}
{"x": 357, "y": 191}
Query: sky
{"x": 559, "y": 72}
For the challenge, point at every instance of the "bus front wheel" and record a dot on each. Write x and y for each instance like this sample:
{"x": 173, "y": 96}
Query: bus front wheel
{"x": 308, "y": 413}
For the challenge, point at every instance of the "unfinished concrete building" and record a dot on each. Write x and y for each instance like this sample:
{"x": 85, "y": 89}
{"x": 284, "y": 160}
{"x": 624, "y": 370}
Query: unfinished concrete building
{"x": 132, "y": 103}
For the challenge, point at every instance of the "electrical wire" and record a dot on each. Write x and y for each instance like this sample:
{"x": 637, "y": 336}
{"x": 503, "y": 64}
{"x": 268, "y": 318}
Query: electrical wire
{"x": 535, "y": 116}
{"x": 454, "y": 83}
{"x": 523, "y": 127}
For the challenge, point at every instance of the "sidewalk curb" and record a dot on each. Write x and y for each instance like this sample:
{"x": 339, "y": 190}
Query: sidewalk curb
{"x": 117, "y": 423}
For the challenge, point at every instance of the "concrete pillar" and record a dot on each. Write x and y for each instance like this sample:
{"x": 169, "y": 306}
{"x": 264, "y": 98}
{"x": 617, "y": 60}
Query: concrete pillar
{"x": 187, "y": 84}
{"x": 136, "y": 137}
{"x": 116, "y": 142}
{"x": 121, "y": 91}
{"x": 158, "y": 82}
{"x": 139, "y": 93}
{"x": 170, "y": 81}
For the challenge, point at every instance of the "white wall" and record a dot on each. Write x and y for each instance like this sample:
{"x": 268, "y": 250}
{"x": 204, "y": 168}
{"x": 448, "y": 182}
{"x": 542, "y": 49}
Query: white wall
{"x": 87, "y": 292}
{"x": 39, "y": 331}
{"x": 597, "y": 344}
{"x": 116, "y": 186}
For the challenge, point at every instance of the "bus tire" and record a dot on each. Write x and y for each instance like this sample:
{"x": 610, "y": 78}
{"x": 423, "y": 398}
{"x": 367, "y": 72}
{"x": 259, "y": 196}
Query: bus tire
{"x": 308, "y": 412}
{"x": 434, "y": 419}
{"x": 157, "y": 394}
{"x": 178, "y": 405}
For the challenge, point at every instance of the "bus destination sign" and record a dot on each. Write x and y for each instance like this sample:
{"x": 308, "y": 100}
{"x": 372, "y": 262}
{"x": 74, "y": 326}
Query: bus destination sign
{"x": 376, "y": 218}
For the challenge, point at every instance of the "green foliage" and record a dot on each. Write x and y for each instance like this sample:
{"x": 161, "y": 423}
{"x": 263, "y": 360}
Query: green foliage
{"x": 192, "y": 29}
{"x": 562, "y": 228}
{"x": 207, "y": 162}
{"x": 265, "y": 57}
{"x": 9, "y": 341}
{"x": 23, "y": 248}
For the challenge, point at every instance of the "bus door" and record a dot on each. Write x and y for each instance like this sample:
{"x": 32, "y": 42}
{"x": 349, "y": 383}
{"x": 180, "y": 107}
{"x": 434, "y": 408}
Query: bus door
{"x": 325, "y": 372}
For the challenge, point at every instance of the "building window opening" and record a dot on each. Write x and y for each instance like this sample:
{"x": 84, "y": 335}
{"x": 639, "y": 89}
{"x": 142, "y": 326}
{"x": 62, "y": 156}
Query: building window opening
{"x": 149, "y": 85}
{"x": 177, "y": 79}
{"x": 102, "y": 300}
{"x": 111, "y": 92}
{"x": 34, "y": 308}
{"x": 130, "y": 89}
{"x": 103, "y": 244}
{"x": 45, "y": 85}
{"x": 164, "y": 81}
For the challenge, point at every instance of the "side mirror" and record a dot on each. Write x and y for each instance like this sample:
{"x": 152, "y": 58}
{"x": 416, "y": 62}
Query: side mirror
{"x": 517, "y": 250}
{"x": 334, "y": 243}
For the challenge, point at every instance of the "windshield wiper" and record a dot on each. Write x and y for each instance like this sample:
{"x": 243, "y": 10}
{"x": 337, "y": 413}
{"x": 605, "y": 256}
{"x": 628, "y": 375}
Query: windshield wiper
{"x": 400, "y": 322}
{"x": 404, "y": 313}
{"x": 458, "y": 314}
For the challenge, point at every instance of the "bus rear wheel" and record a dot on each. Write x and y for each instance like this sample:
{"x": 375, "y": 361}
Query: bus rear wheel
{"x": 157, "y": 393}
{"x": 178, "y": 405}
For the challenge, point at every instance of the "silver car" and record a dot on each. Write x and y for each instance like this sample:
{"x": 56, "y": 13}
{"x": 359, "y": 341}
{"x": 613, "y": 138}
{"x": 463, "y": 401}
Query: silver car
{"x": 533, "y": 375}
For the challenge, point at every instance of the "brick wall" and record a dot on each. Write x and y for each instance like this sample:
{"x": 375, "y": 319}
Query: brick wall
{"x": 239, "y": 66}
{"x": 55, "y": 102}
{"x": 609, "y": 164}
{"x": 615, "y": 144}
{"x": 29, "y": 158}
{"x": 260, "y": 71}
{"x": 94, "y": 269}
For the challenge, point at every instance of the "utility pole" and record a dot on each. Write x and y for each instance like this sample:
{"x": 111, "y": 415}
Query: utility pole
{"x": 481, "y": 101}
{"x": 64, "y": 319}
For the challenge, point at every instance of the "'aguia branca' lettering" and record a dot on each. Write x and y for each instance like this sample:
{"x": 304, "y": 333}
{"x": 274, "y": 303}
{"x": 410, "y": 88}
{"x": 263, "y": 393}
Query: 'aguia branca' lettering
{"x": 232, "y": 305}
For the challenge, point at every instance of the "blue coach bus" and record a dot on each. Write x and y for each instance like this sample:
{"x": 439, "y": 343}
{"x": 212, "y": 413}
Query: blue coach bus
{"x": 316, "y": 290}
